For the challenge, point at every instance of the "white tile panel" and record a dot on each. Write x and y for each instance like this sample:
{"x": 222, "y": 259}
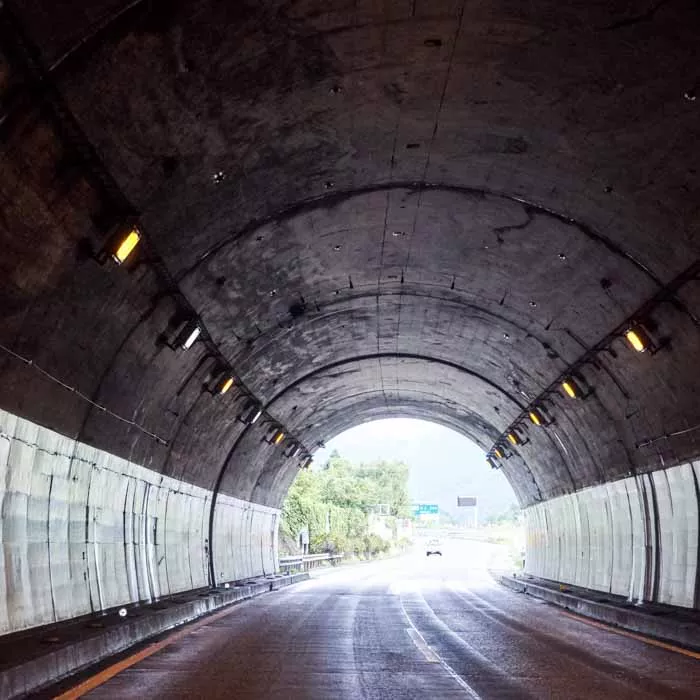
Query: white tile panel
{"x": 636, "y": 537}
{"x": 83, "y": 530}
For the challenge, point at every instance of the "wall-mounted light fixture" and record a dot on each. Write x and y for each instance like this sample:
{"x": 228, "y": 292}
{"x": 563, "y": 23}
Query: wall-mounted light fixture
{"x": 220, "y": 380}
{"x": 501, "y": 452}
{"x": 306, "y": 463}
{"x": 538, "y": 416}
{"x": 251, "y": 412}
{"x": 121, "y": 244}
{"x": 293, "y": 450}
{"x": 274, "y": 435}
{"x": 187, "y": 337}
{"x": 638, "y": 338}
{"x": 493, "y": 463}
{"x": 535, "y": 416}
{"x": 634, "y": 330}
{"x": 124, "y": 243}
{"x": 572, "y": 388}
{"x": 514, "y": 438}
{"x": 224, "y": 384}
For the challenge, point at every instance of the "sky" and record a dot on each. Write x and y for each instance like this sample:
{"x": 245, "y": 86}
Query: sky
{"x": 443, "y": 464}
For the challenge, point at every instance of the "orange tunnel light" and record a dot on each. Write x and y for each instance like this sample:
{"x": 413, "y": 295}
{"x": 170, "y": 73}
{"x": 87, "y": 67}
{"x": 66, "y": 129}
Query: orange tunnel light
{"x": 226, "y": 385}
{"x": 638, "y": 339}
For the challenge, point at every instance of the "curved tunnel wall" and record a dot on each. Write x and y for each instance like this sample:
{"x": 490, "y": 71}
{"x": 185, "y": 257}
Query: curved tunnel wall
{"x": 636, "y": 537}
{"x": 476, "y": 187}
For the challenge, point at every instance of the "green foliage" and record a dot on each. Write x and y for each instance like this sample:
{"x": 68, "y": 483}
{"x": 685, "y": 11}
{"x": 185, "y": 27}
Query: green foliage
{"x": 334, "y": 503}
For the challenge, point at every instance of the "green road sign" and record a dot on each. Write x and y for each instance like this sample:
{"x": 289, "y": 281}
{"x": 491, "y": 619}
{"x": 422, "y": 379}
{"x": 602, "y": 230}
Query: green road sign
{"x": 425, "y": 509}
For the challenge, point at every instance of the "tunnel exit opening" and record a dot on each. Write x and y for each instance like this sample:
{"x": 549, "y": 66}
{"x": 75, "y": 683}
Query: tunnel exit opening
{"x": 397, "y": 483}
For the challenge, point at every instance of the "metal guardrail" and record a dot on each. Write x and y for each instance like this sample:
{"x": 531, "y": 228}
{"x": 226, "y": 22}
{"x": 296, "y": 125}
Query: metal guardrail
{"x": 304, "y": 562}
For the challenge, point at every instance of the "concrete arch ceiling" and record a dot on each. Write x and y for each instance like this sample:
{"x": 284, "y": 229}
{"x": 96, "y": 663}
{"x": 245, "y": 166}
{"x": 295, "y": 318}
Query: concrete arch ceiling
{"x": 391, "y": 208}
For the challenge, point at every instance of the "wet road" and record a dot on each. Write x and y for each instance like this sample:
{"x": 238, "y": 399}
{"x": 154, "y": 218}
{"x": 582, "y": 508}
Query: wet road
{"x": 408, "y": 628}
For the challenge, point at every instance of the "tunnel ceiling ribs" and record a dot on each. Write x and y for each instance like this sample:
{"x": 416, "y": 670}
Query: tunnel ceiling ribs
{"x": 20, "y": 49}
{"x": 435, "y": 210}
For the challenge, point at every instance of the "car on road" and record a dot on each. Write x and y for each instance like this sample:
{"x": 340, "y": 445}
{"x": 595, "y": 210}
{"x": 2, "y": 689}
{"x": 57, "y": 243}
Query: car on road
{"x": 433, "y": 547}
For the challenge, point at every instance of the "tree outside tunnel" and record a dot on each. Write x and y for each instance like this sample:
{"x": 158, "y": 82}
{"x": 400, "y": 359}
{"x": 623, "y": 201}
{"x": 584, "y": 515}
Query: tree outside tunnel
{"x": 335, "y": 505}
{"x": 389, "y": 466}
{"x": 231, "y": 231}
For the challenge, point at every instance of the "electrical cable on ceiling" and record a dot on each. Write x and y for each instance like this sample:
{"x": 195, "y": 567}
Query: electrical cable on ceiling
{"x": 80, "y": 394}
{"x": 651, "y": 441}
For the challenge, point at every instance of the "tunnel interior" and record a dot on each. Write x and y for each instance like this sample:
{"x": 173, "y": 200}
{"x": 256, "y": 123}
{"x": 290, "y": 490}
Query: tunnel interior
{"x": 435, "y": 210}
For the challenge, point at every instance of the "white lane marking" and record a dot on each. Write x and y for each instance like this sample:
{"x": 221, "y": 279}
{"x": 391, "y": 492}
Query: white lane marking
{"x": 425, "y": 646}
{"x": 429, "y": 654}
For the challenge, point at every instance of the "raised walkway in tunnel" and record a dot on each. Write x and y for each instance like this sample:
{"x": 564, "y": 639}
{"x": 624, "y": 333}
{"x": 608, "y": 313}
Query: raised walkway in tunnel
{"x": 406, "y": 628}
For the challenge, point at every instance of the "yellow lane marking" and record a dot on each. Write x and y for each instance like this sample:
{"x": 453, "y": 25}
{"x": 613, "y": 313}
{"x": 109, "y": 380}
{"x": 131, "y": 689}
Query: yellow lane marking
{"x": 632, "y": 635}
{"x": 106, "y": 674}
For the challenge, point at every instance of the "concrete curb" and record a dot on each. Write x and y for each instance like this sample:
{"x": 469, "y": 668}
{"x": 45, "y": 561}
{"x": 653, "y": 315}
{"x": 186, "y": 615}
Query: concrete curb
{"x": 56, "y": 664}
{"x": 632, "y": 619}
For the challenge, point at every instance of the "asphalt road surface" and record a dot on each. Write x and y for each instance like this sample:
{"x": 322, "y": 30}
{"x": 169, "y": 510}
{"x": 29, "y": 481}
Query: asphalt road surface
{"x": 414, "y": 627}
